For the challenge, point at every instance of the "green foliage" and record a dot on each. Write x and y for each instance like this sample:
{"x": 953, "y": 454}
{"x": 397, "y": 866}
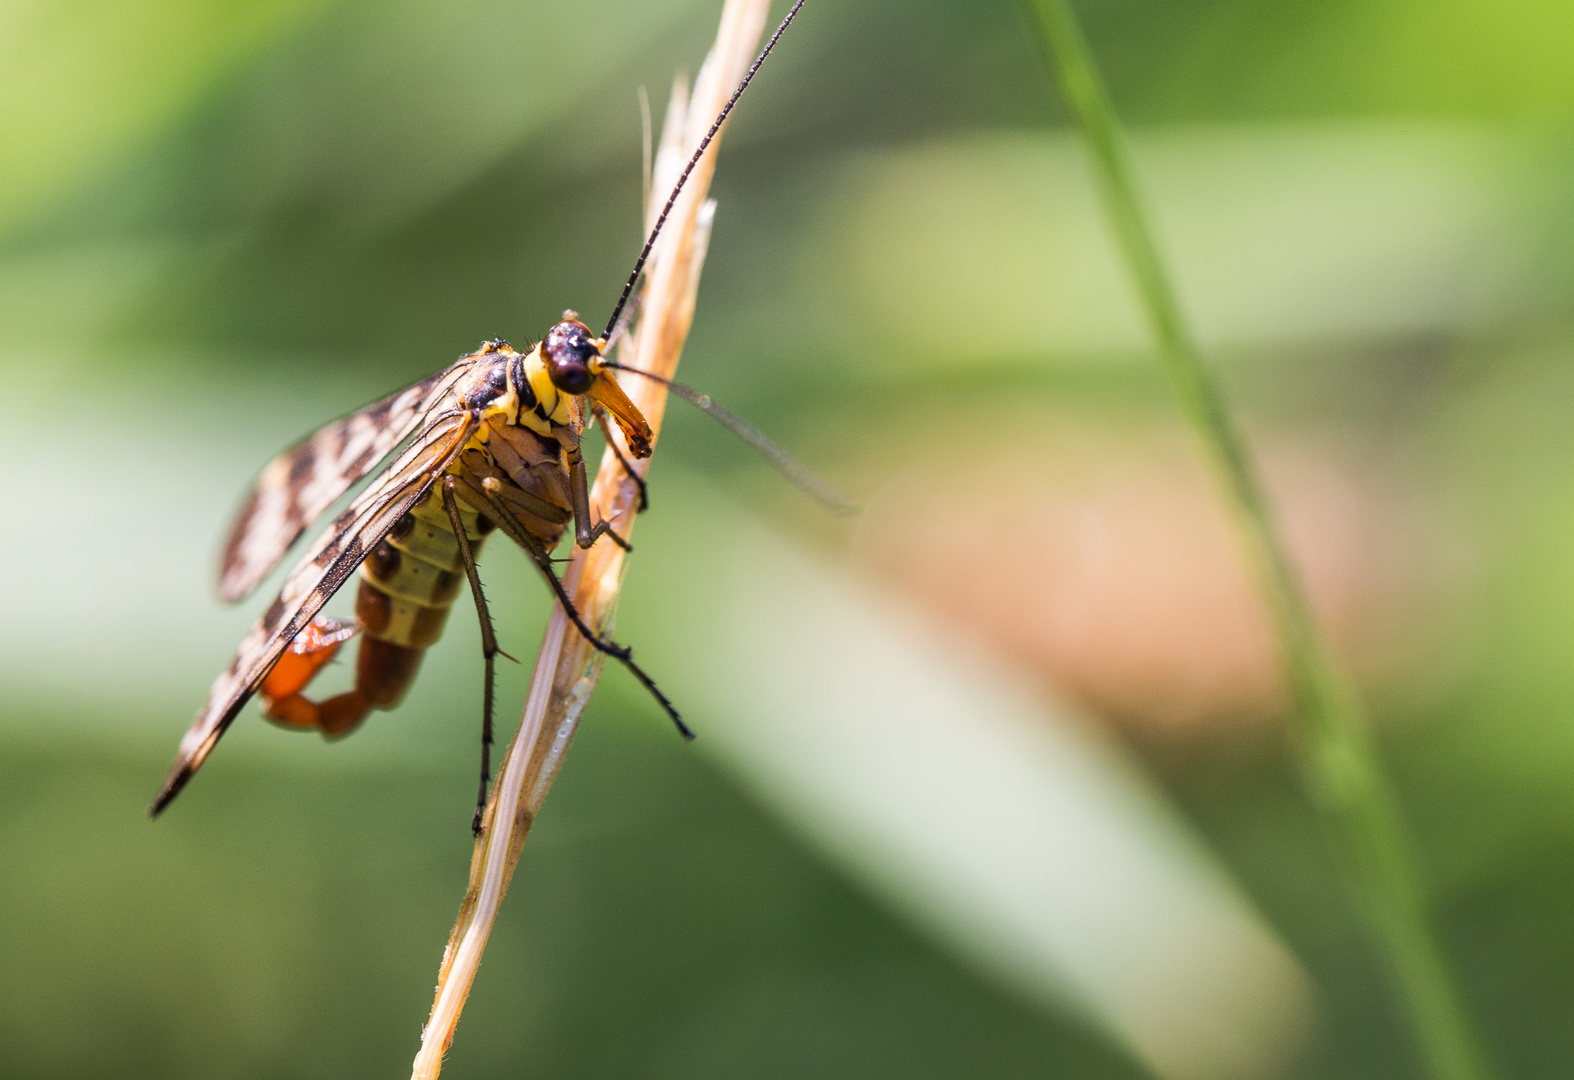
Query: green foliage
{"x": 222, "y": 223}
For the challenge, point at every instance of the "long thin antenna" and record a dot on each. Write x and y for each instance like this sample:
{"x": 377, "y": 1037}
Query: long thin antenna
{"x": 639, "y": 264}
{"x": 795, "y": 471}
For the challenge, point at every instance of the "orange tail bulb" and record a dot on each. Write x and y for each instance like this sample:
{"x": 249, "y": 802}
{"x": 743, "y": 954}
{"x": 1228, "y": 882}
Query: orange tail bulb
{"x": 281, "y": 691}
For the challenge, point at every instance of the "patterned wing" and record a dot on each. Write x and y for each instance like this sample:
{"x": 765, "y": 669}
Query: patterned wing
{"x": 325, "y": 567}
{"x": 298, "y": 485}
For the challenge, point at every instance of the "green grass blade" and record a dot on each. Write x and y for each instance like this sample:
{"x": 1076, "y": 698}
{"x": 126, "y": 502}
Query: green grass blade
{"x": 1338, "y": 759}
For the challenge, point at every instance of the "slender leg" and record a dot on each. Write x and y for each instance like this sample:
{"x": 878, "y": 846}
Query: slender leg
{"x": 485, "y": 501}
{"x": 579, "y": 495}
{"x": 489, "y": 649}
{"x": 628, "y": 466}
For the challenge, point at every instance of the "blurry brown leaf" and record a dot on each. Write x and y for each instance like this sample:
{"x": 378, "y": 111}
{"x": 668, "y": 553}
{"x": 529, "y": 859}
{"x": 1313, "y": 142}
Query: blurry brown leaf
{"x": 1108, "y": 564}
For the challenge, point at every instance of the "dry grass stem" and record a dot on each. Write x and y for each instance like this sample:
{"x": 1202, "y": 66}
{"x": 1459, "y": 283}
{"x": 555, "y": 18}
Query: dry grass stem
{"x": 567, "y": 667}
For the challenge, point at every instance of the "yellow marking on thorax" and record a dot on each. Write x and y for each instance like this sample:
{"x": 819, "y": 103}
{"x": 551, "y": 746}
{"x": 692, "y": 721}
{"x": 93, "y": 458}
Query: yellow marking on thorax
{"x": 506, "y": 408}
{"x": 549, "y": 399}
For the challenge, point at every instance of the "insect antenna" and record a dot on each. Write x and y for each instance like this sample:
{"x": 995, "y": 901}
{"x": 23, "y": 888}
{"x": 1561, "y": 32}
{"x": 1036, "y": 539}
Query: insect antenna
{"x": 699, "y": 152}
{"x": 797, "y": 473}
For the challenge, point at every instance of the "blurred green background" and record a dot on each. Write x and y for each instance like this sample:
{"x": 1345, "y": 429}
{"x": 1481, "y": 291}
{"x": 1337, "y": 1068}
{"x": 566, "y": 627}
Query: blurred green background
{"x": 223, "y": 223}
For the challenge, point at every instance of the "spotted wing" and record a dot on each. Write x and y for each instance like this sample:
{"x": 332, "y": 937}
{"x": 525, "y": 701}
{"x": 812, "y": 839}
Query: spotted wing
{"x": 325, "y": 567}
{"x": 298, "y": 485}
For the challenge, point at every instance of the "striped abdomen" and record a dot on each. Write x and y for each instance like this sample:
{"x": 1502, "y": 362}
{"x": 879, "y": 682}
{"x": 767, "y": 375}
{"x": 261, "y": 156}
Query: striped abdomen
{"x": 411, "y": 579}
{"x": 408, "y": 586}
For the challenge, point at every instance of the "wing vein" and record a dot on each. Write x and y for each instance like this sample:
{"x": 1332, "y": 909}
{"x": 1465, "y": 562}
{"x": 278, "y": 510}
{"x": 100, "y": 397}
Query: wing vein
{"x": 324, "y": 568}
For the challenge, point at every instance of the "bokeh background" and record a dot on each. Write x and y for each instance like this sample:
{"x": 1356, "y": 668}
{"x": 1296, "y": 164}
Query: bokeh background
{"x": 992, "y": 782}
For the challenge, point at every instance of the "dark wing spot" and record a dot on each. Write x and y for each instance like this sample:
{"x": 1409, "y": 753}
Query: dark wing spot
{"x": 301, "y": 465}
{"x": 275, "y": 612}
{"x": 327, "y": 555}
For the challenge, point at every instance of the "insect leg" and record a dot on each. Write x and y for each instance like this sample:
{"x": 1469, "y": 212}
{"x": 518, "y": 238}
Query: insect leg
{"x": 489, "y": 649}
{"x": 628, "y": 466}
{"x": 484, "y": 499}
{"x": 579, "y": 495}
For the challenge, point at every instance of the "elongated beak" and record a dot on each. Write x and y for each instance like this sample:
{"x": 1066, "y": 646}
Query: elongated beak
{"x": 606, "y": 392}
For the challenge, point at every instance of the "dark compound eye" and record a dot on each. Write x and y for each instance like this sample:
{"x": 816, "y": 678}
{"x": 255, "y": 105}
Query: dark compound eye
{"x": 572, "y": 378}
{"x": 567, "y": 352}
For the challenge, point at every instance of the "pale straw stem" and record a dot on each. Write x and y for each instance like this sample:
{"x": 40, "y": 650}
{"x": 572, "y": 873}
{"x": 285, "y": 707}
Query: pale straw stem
{"x": 567, "y": 667}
